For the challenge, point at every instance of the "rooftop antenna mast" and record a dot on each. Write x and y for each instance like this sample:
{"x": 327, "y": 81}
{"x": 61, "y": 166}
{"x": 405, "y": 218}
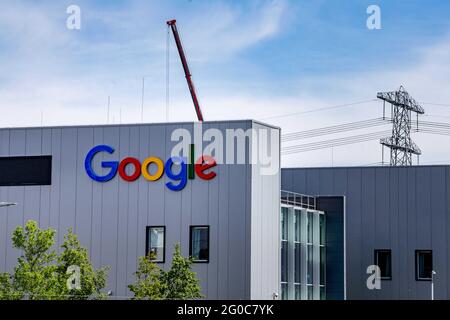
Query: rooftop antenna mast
{"x": 400, "y": 143}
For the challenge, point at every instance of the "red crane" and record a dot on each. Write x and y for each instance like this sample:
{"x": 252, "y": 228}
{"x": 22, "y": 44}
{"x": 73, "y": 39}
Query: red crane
{"x": 173, "y": 26}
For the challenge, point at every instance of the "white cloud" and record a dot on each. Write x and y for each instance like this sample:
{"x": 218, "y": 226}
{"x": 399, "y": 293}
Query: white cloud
{"x": 224, "y": 30}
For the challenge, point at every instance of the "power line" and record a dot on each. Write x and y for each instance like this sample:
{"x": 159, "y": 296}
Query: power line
{"x": 436, "y": 115}
{"x": 379, "y": 163}
{"x": 318, "y": 110}
{"x": 340, "y": 106}
{"x": 335, "y": 129}
{"x": 433, "y": 131}
{"x": 334, "y": 142}
{"x": 436, "y": 104}
{"x": 428, "y": 127}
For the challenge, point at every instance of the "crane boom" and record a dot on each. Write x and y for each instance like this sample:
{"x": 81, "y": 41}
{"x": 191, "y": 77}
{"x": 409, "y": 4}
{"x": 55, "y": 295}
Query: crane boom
{"x": 173, "y": 26}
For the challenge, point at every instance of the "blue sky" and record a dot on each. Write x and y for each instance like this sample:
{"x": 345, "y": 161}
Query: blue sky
{"x": 250, "y": 59}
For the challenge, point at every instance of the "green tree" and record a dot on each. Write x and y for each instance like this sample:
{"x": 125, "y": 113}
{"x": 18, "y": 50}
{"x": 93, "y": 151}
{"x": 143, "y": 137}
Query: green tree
{"x": 153, "y": 283}
{"x": 33, "y": 277}
{"x": 7, "y": 291}
{"x": 180, "y": 280}
{"x": 148, "y": 284}
{"x": 91, "y": 281}
{"x": 41, "y": 274}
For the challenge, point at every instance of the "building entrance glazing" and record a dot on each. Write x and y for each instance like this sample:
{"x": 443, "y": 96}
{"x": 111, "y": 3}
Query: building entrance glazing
{"x": 303, "y": 250}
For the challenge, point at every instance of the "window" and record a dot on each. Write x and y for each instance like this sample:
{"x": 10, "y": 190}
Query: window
{"x": 297, "y": 249}
{"x": 310, "y": 292}
{"x": 297, "y": 225}
{"x": 155, "y": 243}
{"x": 322, "y": 265}
{"x": 284, "y": 223}
{"x": 298, "y": 261}
{"x": 383, "y": 260}
{"x": 424, "y": 264}
{"x": 284, "y": 291}
{"x": 298, "y": 292}
{"x": 26, "y": 171}
{"x": 199, "y": 243}
{"x": 284, "y": 244}
{"x": 322, "y": 251}
{"x": 323, "y": 293}
{"x": 322, "y": 229}
{"x": 309, "y": 265}
{"x": 310, "y": 227}
{"x": 284, "y": 261}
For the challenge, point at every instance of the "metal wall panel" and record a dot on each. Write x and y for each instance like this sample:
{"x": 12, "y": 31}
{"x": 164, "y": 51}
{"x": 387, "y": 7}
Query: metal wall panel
{"x": 265, "y": 224}
{"x": 46, "y": 190}
{"x": 4, "y": 194}
{"x": 354, "y": 221}
{"x": 15, "y": 214}
{"x": 397, "y": 208}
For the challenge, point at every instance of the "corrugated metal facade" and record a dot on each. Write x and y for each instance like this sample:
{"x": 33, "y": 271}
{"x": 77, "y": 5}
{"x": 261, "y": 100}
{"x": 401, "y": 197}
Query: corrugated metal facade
{"x": 111, "y": 218}
{"x": 397, "y": 208}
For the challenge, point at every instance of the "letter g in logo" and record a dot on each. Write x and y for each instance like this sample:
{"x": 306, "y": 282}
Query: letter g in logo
{"x": 105, "y": 164}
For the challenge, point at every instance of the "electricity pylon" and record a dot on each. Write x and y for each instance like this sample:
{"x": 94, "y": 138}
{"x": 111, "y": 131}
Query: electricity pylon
{"x": 400, "y": 143}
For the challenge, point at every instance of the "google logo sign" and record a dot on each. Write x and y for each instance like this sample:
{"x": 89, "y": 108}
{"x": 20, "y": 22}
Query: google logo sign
{"x": 178, "y": 180}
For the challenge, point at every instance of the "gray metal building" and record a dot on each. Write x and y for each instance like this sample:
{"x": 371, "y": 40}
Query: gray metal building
{"x": 240, "y": 205}
{"x": 399, "y": 214}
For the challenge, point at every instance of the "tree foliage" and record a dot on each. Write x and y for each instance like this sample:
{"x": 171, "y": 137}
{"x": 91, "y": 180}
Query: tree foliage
{"x": 181, "y": 281}
{"x": 148, "y": 285}
{"x": 91, "y": 280}
{"x": 153, "y": 283}
{"x": 41, "y": 274}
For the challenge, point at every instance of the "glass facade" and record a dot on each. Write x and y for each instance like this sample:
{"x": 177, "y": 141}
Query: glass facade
{"x": 322, "y": 266}
{"x": 322, "y": 255}
{"x": 284, "y": 253}
{"x": 322, "y": 229}
{"x": 310, "y": 227}
{"x": 298, "y": 292}
{"x": 310, "y": 292}
{"x": 303, "y": 243}
{"x": 298, "y": 263}
{"x": 284, "y": 291}
{"x": 309, "y": 264}
{"x": 298, "y": 223}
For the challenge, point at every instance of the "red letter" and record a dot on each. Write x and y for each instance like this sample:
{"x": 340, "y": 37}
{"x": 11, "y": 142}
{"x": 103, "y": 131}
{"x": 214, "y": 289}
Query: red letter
{"x": 201, "y": 166}
{"x": 137, "y": 169}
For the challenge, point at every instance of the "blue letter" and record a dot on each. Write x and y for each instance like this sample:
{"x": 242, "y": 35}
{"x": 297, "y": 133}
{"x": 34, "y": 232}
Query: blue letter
{"x": 106, "y": 164}
{"x": 180, "y": 176}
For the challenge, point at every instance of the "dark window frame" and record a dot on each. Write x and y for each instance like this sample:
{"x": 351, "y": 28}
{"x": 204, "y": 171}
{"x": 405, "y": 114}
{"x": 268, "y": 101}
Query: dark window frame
{"x": 190, "y": 242}
{"x": 147, "y": 242}
{"x": 417, "y": 264}
{"x": 45, "y": 182}
{"x": 375, "y": 256}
